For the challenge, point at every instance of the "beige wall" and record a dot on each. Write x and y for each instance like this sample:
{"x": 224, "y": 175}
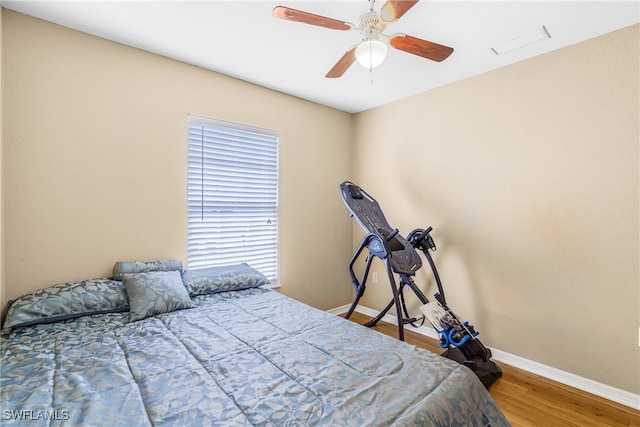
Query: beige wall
{"x": 529, "y": 176}
{"x": 95, "y": 162}
{"x": 2, "y": 293}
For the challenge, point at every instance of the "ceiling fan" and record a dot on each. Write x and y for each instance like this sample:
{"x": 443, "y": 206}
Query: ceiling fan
{"x": 372, "y": 50}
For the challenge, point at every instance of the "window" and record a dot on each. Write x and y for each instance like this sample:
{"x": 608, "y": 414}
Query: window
{"x": 232, "y": 196}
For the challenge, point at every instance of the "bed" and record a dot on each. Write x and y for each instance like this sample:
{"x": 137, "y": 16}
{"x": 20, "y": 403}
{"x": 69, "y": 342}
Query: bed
{"x": 159, "y": 346}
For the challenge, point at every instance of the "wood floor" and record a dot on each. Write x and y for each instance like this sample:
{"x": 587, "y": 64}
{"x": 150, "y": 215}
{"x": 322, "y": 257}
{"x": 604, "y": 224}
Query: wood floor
{"x": 531, "y": 400}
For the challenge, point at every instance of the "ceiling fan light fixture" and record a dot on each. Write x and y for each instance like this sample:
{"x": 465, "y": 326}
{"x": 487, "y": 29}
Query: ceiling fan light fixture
{"x": 373, "y": 47}
{"x": 371, "y": 53}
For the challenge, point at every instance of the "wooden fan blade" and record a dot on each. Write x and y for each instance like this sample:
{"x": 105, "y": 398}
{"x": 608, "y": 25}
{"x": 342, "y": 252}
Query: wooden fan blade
{"x": 343, "y": 64}
{"x": 426, "y": 49}
{"x": 393, "y": 10}
{"x": 309, "y": 18}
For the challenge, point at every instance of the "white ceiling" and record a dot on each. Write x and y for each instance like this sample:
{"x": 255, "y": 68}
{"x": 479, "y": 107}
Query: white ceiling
{"x": 242, "y": 39}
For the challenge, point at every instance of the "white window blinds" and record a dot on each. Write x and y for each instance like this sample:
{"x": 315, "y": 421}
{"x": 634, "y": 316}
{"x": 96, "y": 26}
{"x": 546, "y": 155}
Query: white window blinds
{"x": 232, "y": 196}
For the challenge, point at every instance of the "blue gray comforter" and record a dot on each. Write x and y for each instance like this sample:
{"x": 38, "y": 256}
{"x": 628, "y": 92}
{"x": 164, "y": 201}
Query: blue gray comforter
{"x": 251, "y": 357}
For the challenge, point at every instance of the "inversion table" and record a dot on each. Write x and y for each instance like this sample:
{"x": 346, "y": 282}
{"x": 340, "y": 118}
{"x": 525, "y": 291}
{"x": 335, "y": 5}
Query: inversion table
{"x": 400, "y": 256}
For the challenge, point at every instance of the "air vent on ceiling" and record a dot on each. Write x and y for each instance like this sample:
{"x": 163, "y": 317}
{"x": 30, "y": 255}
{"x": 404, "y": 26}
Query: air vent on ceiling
{"x": 521, "y": 41}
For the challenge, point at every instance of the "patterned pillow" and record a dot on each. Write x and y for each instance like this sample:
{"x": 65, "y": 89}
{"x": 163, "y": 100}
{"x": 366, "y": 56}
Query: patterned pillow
{"x": 221, "y": 279}
{"x": 155, "y": 292}
{"x": 132, "y": 267}
{"x": 67, "y": 301}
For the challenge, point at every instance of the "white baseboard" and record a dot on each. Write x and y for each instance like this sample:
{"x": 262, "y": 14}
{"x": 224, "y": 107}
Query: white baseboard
{"x": 339, "y": 310}
{"x": 608, "y": 392}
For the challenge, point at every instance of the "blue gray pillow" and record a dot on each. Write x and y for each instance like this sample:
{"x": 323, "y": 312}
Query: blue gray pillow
{"x": 222, "y": 279}
{"x": 155, "y": 292}
{"x": 67, "y": 301}
{"x": 131, "y": 267}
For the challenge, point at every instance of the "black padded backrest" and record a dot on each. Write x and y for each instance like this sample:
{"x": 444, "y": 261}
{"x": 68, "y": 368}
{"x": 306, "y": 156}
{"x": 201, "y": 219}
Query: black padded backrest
{"x": 366, "y": 210}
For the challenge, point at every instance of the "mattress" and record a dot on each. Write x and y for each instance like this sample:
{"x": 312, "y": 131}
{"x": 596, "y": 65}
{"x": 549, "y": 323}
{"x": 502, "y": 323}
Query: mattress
{"x": 251, "y": 357}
